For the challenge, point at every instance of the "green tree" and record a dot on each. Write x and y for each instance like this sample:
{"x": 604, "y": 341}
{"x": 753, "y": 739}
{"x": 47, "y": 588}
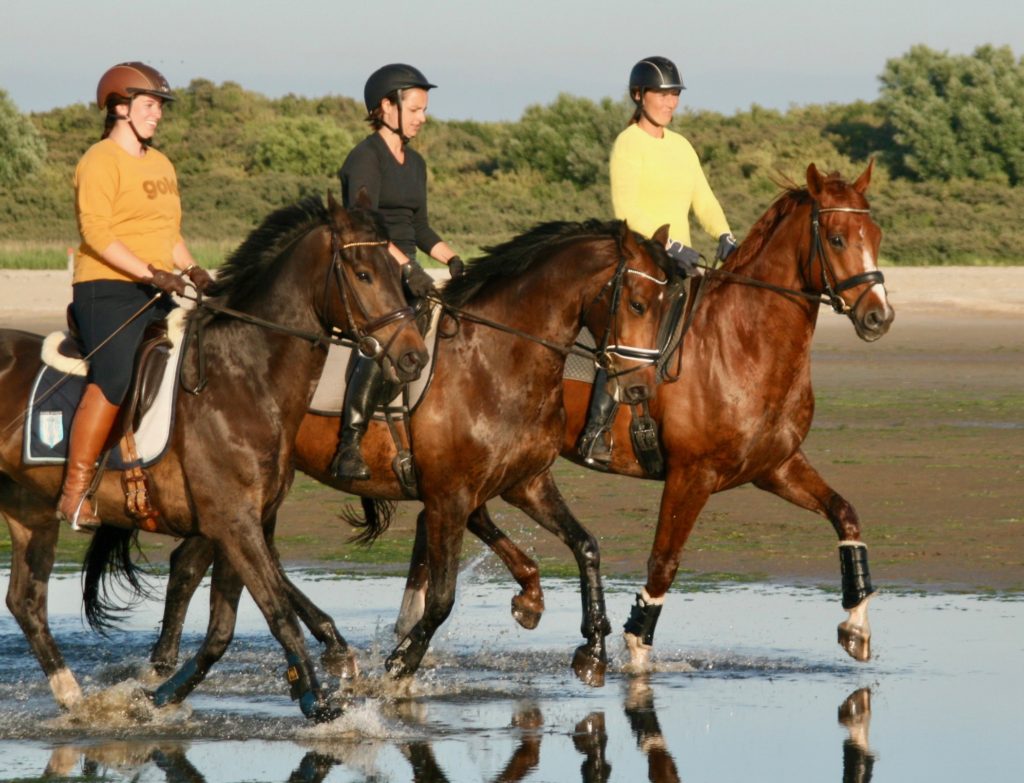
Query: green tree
{"x": 957, "y": 116}
{"x": 22, "y": 149}
{"x": 306, "y": 145}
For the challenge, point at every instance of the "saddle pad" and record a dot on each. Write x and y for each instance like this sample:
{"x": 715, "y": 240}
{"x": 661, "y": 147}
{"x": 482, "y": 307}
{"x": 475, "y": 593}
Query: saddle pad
{"x": 56, "y": 393}
{"x": 329, "y": 396}
{"x": 581, "y": 368}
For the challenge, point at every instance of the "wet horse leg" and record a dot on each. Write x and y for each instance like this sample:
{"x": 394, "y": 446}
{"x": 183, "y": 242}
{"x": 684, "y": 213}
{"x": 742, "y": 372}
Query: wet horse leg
{"x": 684, "y": 495}
{"x": 34, "y": 532}
{"x": 444, "y": 523}
{"x": 540, "y": 498}
{"x": 527, "y": 606}
{"x": 797, "y": 481}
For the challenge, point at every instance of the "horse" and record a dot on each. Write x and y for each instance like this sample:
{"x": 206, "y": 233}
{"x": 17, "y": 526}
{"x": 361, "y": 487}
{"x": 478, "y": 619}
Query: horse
{"x": 304, "y": 272}
{"x": 737, "y": 403}
{"x": 491, "y": 420}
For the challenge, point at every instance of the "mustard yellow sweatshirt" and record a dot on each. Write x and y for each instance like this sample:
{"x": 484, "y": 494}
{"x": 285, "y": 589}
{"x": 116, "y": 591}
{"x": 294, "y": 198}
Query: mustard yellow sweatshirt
{"x": 658, "y": 181}
{"x": 121, "y": 197}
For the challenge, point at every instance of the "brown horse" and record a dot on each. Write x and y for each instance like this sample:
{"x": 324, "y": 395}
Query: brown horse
{"x": 742, "y": 403}
{"x": 306, "y": 271}
{"x": 491, "y": 420}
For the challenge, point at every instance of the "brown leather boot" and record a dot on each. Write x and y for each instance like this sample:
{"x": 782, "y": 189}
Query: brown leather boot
{"x": 89, "y": 430}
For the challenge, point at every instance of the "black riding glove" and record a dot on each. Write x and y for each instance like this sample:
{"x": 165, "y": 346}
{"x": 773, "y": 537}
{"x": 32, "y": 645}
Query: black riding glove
{"x": 726, "y": 244}
{"x": 168, "y": 282}
{"x": 200, "y": 278}
{"x": 417, "y": 280}
{"x": 686, "y": 258}
{"x": 455, "y": 267}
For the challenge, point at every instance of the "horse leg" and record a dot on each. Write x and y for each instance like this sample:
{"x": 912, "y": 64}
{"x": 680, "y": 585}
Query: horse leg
{"x": 528, "y": 605}
{"x": 225, "y": 590}
{"x": 798, "y": 482}
{"x": 444, "y": 528}
{"x": 190, "y": 561}
{"x": 33, "y": 542}
{"x": 540, "y": 498}
{"x": 336, "y": 658}
{"x": 683, "y": 497}
{"x": 414, "y": 597}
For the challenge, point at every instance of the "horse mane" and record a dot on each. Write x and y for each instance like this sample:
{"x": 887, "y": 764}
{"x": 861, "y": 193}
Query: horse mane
{"x": 242, "y": 274}
{"x": 513, "y": 258}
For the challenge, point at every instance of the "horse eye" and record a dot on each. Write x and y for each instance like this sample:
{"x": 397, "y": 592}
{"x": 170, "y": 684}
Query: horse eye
{"x": 364, "y": 277}
{"x": 638, "y": 307}
{"x": 837, "y": 241}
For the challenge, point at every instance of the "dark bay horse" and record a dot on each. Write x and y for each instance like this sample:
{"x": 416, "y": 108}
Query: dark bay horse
{"x": 306, "y": 271}
{"x": 491, "y": 421}
{"x": 742, "y": 403}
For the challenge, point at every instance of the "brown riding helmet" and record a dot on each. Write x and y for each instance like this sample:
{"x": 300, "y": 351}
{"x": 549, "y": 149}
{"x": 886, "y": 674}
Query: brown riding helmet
{"x": 130, "y": 79}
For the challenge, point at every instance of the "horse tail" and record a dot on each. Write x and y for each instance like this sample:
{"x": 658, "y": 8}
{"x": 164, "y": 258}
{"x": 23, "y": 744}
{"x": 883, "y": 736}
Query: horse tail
{"x": 107, "y": 566}
{"x": 377, "y": 518}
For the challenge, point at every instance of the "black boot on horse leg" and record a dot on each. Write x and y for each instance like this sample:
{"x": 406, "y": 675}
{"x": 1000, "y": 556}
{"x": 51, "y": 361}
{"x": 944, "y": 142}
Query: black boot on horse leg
{"x": 89, "y": 431}
{"x": 592, "y": 445}
{"x": 639, "y": 628}
{"x": 855, "y": 633}
{"x": 361, "y": 396}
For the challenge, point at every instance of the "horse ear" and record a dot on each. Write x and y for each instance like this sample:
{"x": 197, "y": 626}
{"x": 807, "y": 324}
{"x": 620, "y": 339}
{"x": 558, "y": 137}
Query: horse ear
{"x": 363, "y": 199}
{"x": 338, "y": 213}
{"x": 628, "y": 241}
{"x": 815, "y": 182}
{"x": 661, "y": 235}
{"x": 861, "y": 185}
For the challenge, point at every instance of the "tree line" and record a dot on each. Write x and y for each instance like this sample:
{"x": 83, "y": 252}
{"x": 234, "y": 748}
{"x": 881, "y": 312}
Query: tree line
{"x": 946, "y": 132}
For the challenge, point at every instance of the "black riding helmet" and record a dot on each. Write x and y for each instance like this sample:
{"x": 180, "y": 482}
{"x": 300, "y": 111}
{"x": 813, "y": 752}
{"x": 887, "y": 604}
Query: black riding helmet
{"x": 652, "y": 73}
{"x": 389, "y": 79}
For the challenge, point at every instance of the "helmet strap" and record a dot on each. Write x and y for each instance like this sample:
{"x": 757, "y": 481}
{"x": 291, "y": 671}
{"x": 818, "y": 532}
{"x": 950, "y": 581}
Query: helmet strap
{"x": 128, "y": 118}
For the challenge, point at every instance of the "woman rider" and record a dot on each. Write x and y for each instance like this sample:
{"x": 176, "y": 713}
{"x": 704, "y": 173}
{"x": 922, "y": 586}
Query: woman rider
{"x": 394, "y": 176}
{"x": 129, "y": 218}
{"x": 656, "y": 179}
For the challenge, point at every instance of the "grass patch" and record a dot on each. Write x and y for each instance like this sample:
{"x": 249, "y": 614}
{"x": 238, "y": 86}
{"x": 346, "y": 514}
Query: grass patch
{"x": 15, "y": 254}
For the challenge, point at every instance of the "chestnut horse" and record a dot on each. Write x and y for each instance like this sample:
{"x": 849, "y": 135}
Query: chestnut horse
{"x": 739, "y": 402}
{"x": 491, "y": 421}
{"x": 306, "y": 271}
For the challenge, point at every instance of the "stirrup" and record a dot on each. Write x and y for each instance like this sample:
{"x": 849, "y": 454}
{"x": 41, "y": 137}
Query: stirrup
{"x": 348, "y": 463}
{"x": 593, "y": 448}
{"x": 88, "y": 528}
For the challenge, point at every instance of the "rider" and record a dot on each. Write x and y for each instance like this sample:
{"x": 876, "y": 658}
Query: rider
{"x": 129, "y": 218}
{"x": 395, "y": 178}
{"x": 656, "y": 179}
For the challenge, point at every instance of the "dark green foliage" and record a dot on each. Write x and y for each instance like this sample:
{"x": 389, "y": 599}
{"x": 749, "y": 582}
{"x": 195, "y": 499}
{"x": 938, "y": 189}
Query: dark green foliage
{"x": 241, "y": 156}
{"x": 22, "y": 149}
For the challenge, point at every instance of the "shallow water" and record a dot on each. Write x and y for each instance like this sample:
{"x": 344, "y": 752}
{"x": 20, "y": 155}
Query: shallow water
{"x": 748, "y": 685}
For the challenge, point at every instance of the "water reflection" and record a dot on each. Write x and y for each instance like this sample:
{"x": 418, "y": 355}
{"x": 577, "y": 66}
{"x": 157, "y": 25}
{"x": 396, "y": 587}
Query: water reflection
{"x": 125, "y": 759}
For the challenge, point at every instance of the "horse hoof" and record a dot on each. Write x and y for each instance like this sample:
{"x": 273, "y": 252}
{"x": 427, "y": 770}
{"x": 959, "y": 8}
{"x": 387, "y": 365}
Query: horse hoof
{"x": 340, "y": 663}
{"x": 526, "y": 612}
{"x": 589, "y": 667}
{"x": 324, "y": 713}
{"x": 855, "y": 641}
{"x": 639, "y": 654}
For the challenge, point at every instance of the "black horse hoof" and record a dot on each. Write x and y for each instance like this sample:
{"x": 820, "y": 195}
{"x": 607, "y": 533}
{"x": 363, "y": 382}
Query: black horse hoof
{"x": 325, "y": 713}
{"x": 589, "y": 666}
{"x": 340, "y": 663}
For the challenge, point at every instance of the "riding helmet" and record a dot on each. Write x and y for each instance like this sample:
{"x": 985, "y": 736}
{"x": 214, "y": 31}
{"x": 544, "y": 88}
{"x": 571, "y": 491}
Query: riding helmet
{"x": 130, "y": 79}
{"x": 389, "y": 78}
{"x": 654, "y": 73}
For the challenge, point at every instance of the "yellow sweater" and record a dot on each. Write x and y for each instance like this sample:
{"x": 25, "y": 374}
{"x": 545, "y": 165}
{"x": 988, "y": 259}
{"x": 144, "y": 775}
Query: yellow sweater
{"x": 658, "y": 181}
{"x": 121, "y": 197}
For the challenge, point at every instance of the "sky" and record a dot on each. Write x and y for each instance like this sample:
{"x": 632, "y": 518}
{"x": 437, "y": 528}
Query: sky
{"x": 491, "y": 60}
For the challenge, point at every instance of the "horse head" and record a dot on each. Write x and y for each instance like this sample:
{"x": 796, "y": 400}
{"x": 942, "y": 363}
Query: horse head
{"x": 626, "y": 315}
{"x": 366, "y": 280}
{"x": 843, "y": 263}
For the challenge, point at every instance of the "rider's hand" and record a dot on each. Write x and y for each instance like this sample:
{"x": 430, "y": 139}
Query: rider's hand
{"x": 168, "y": 282}
{"x": 686, "y": 258}
{"x": 200, "y": 278}
{"x": 417, "y": 280}
{"x": 726, "y": 244}
{"x": 455, "y": 267}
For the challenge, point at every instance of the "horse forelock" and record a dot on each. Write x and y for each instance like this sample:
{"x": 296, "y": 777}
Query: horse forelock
{"x": 514, "y": 258}
{"x": 245, "y": 270}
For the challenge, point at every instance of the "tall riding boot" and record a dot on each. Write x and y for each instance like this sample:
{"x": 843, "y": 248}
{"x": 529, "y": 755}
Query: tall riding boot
{"x": 361, "y": 396}
{"x": 89, "y": 431}
{"x": 592, "y": 444}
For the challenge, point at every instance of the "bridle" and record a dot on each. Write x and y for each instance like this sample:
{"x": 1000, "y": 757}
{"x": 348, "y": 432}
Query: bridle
{"x": 368, "y": 345}
{"x": 829, "y": 281}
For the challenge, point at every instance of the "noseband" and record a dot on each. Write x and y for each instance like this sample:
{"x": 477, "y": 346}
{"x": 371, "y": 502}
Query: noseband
{"x": 833, "y": 287}
{"x": 369, "y": 345}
